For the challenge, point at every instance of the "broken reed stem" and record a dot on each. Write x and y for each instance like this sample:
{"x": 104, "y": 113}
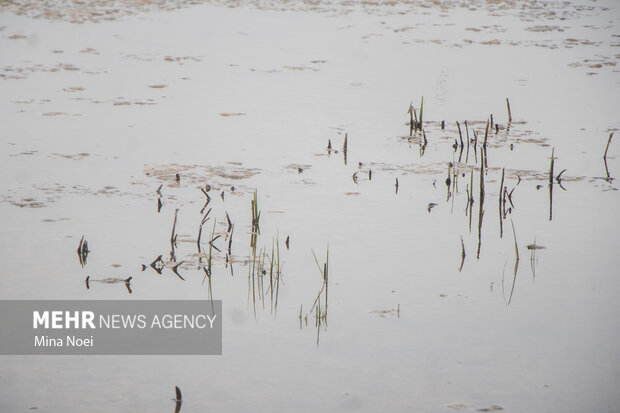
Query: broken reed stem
{"x": 551, "y": 167}
{"x": 210, "y": 258}
{"x": 325, "y": 276}
{"x": 173, "y": 237}
{"x": 467, "y": 137}
{"x": 204, "y": 220}
{"x": 501, "y": 186}
{"x": 278, "y": 271}
{"x": 509, "y": 114}
{"x": 515, "y": 238}
{"x": 199, "y": 235}
{"x": 484, "y": 145}
{"x": 271, "y": 273}
{"x": 462, "y": 254}
{"x": 470, "y": 201}
{"x": 607, "y": 147}
{"x": 421, "y": 111}
{"x": 460, "y": 134}
{"x": 255, "y": 222}
{"x": 551, "y": 185}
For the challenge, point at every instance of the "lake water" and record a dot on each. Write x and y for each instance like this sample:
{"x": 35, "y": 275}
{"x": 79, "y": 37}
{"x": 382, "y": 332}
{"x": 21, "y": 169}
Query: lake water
{"x": 102, "y": 104}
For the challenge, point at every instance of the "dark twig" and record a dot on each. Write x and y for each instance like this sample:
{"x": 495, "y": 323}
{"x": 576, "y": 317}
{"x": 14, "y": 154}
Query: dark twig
{"x": 462, "y": 254}
{"x": 509, "y": 114}
{"x": 175, "y": 270}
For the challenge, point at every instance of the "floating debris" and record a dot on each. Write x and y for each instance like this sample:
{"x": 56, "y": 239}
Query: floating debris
{"x": 126, "y": 281}
{"x": 158, "y": 265}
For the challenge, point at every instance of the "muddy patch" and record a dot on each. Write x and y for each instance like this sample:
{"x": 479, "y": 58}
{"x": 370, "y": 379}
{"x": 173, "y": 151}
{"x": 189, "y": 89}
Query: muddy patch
{"x": 217, "y": 177}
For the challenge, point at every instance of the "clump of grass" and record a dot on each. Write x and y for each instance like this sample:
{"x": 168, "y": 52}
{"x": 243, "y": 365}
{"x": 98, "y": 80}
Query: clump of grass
{"x": 324, "y": 270}
{"x": 319, "y": 307}
{"x": 481, "y": 207}
{"x": 263, "y": 264}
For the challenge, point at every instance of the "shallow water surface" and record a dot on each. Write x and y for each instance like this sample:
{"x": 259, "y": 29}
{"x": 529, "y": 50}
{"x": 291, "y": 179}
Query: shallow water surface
{"x": 460, "y": 278}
